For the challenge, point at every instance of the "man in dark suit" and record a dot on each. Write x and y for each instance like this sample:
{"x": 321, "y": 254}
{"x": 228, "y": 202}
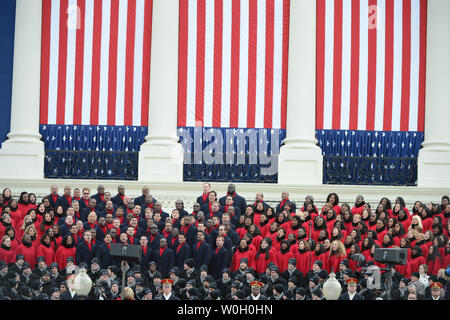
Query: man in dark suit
{"x": 85, "y": 249}
{"x": 203, "y": 199}
{"x": 141, "y": 199}
{"x": 207, "y": 207}
{"x": 220, "y": 259}
{"x": 259, "y": 198}
{"x": 351, "y": 293}
{"x": 66, "y": 199}
{"x": 102, "y": 251}
{"x": 100, "y": 197}
{"x": 201, "y": 251}
{"x": 284, "y": 200}
{"x": 238, "y": 200}
{"x": 435, "y": 289}
{"x": 118, "y": 199}
{"x": 53, "y": 196}
{"x": 153, "y": 236}
{"x": 147, "y": 254}
{"x": 182, "y": 252}
{"x": 256, "y": 291}
{"x": 189, "y": 229}
{"x": 164, "y": 258}
{"x": 167, "y": 293}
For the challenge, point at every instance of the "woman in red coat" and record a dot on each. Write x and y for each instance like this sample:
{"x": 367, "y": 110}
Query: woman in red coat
{"x": 318, "y": 225}
{"x": 404, "y": 244}
{"x": 243, "y": 251}
{"x": 434, "y": 260}
{"x": 404, "y": 219}
{"x": 264, "y": 256}
{"x": 24, "y": 204}
{"x": 45, "y": 250}
{"x": 284, "y": 255}
{"x": 12, "y": 235}
{"x": 427, "y": 219}
{"x": 416, "y": 260}
{"x": 6, "y": 222}
{"x": 47, "y": 223}
{"x": 67, "y": 249}
{"x": 317, "y": 254}
{"x": 7, "y": 254}
{"x": 333, "y": 200}
{"x": 303, "y": 256}
{"x": 264, "y": 224}
{"x": 381, "y": 230}
{"x": 281, "y": 235}
{"x": 16, "y": 214}
{"x": 27, "y": 250}
{"x": 347, "y": 220}
{"x": 337, "y": 253}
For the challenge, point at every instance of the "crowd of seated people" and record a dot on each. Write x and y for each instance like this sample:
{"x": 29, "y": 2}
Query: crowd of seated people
{"x": 224, "y": 247}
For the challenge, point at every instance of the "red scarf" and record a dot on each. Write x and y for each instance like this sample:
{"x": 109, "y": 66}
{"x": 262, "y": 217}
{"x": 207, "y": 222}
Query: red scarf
{"x": 86, "y": 201}
{"x": 101, "y": 197}
{"x": 199, "y": 244}
{"x": 92, "y": 225}
{"x": 108, "y": 245}
{"x": 184, "y": 229}
{"x": 204, "y": 197}
{"x": 173, "y": 240}
{"x": 144, "y": 249}
{"x": 217, "y": 250}
{"x": 166, "y": 233}
{"x": 69, "y": 199}
{"x": 104, "y": 229}
{"x": 161, "y": 251}
{"x": 77, "y": 214}
{"x": 232, "y": 195}
{"x": 131, "y": 239}
{"x": 80, "y": 233}
{"x": 110, "y": 211}
{"x": 89, "y": 244}
{"x": 226, "y": 207}
{"x": 120, "y": 218}
{"x": 180, "y": 246}
{"x": 283, "y": 202}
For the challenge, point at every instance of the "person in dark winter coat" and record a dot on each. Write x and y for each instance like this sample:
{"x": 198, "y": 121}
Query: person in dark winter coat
{"x": 351, "y": 293}
{"x": 85, "y": 249}
{"x": 182, "y": 252}
{"x": 220, "y": 259}
{"x": 164, "y": 258}
{"x": 147, "y": 254}
{"x": 201, "y": 251}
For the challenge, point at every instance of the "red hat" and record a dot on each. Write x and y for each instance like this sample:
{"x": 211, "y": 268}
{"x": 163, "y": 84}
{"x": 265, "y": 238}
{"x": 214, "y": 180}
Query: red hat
{"x": 256, "y": 284}
{"x": 436, "y": 285}
{"x": 352, "y": 281}
{"x": 167, "y": 281}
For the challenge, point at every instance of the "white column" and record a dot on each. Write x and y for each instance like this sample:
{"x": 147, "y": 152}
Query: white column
{"x": 300, "y": 160}
{"x": 22, "y": 154}
{"x": 161, "y": 156}
{"x": 434, "y": 157}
